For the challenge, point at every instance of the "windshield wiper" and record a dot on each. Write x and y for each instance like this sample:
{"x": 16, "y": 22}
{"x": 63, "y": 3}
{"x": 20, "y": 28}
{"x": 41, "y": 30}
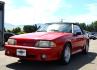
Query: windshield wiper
{"x": 41, "y": 31}
{"x": 54, "y": 30}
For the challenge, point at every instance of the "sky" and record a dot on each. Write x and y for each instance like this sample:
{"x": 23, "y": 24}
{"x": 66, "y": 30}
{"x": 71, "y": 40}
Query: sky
{"x": 24, "y": 12}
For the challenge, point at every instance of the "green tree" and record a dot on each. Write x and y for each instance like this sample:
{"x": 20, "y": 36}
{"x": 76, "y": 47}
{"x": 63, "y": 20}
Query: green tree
{"x": 16, "y": 30}
{"x": 88, "y": 28}
{"x": 94, "y": 26}
{"x": 91, "y": 27}
{"x": 8, "y": 31}
{"x": 30, "y": 28}
{"x": 83, "y": 26}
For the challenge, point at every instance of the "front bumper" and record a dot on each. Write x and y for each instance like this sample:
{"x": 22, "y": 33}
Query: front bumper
{"x": 33, "y": 53}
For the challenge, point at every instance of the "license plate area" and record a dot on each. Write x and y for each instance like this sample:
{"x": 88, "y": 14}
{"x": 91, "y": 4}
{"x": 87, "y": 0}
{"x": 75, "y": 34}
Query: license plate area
{"x": 21, "y": 52}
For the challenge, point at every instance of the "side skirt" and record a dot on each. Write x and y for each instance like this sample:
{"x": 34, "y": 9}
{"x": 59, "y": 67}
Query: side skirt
{"x": 77, "y": 51}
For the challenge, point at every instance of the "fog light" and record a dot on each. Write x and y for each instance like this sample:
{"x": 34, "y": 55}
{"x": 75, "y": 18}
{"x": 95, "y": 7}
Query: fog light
{"x": 43, "y": 56}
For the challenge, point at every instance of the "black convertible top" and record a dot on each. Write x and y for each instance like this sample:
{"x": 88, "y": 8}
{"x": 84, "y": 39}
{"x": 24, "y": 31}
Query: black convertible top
{"x": 76, "y": 23}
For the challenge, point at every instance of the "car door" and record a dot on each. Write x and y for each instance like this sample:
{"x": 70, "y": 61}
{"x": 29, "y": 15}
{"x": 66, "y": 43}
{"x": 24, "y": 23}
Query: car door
{"x": 78, "y": 39}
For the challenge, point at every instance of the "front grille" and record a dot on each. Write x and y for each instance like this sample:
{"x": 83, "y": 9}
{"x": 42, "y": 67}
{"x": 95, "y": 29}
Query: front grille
{"x": 26, "y": 42}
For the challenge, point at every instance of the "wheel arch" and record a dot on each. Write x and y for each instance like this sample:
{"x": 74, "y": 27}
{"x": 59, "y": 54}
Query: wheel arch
{"x": 62, "y": 53}
{"x": 68, "y": 42}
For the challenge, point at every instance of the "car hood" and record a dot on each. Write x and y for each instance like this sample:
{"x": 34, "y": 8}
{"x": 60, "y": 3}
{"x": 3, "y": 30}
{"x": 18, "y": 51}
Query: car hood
{"x": 41, "y": 35}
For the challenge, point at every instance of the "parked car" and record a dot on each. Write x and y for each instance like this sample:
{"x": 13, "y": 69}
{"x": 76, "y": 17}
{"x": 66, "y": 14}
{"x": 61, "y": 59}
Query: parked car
{"x": 7, "y": 35}
{"x": 93, "y": 35}
{"x": 86, "y": 33}
{"x": 58, "y": 41}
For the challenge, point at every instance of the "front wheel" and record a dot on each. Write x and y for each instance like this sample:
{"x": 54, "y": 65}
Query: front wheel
{"x": 66, "y": 54}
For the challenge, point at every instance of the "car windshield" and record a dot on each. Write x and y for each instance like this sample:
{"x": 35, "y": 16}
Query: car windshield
{"x": 56, "y": 28}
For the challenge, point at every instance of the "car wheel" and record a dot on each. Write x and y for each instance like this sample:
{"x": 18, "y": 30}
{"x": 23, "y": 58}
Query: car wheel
{"x": 94, "y": 38}
{"x": 66, "y": 54}
{"x": 86, "y": 48}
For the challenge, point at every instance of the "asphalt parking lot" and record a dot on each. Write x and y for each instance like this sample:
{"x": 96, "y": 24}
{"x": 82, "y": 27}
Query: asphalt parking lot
{"x": 78, "y": 62}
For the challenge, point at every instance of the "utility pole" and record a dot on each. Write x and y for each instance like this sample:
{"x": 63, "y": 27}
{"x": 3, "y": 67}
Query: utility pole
{"x": 1, "y": 23}
{"x": 61, "y": 20}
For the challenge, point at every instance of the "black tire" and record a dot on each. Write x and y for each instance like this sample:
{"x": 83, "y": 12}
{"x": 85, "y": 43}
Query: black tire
{"x": 86, "y": 48}
{"x": 66, "y": 54}
{"x": 94, "y": 38}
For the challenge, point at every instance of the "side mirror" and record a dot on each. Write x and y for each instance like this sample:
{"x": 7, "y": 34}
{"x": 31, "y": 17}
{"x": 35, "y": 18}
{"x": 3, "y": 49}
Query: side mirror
{"x": 77, "y": 33}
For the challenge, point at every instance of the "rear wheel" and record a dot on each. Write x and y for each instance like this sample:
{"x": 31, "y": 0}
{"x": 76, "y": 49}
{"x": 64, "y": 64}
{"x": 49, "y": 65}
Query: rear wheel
{"x": 86, "y": 48}
{"x": 94, "y": 38}
{"x": 66, "y": 54}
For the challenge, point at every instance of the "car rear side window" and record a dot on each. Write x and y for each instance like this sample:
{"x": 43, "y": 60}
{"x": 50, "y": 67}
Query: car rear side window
{"x": 76, "y": 28}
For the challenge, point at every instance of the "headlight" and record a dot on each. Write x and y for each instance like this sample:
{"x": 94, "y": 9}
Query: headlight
{"x": 11, "y": 41}
{"x": 45, "y": 44}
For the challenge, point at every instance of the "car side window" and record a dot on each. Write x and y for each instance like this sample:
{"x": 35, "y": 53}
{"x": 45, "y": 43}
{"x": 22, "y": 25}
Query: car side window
{"x": 76, "y": 29}
{"x": 67, "y": 28}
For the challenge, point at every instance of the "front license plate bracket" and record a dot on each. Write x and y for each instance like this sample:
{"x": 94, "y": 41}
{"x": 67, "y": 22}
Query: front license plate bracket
{"x": 21, "y": 52}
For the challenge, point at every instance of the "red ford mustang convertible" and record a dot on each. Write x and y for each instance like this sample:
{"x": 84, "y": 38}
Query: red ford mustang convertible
{"x": 55, "y": 41}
